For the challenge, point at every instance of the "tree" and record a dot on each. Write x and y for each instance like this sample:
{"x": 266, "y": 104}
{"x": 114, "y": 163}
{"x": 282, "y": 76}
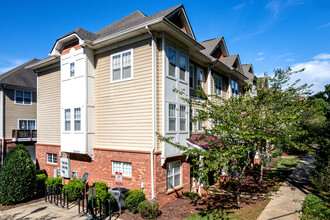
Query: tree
{"x": 17, "y": 176}
{"x": 247, "y": 125}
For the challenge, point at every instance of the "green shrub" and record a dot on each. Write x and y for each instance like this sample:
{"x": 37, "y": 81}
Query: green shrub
{"x": 313, "y": 206}
{"x": 41, "y": 172}
{"x": 74, "y": 187}
{"x": 149, "y": 209}
{"x": 53, "y": 181}
{"x": 101, "y": 191}
{"x": 40, "y": 182}
{"x": 190, "y": 195}
{"x": 17, "y": 176}
{"x": 277, "y": 153}
{"x": 133, "y": 199}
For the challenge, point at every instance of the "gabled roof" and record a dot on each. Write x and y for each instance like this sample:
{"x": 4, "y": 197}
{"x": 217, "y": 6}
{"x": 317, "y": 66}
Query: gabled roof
{"x": 248, "y": 71}
{"x": 210, "y": 45}
{"x": 230, "y": 60}
{"x": 20, "y": 76}
{"x": 82, "y": 33}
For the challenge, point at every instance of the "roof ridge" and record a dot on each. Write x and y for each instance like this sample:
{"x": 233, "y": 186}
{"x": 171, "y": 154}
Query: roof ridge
{"x": 211, "y": 39}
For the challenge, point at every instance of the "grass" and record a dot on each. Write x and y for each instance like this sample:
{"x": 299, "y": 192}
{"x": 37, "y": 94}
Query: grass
{"x": 289, "y": 162}
{"x": 248, "y": 212}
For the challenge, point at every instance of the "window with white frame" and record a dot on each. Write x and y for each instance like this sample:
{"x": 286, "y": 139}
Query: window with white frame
{"x": 24, "y": 124}
{"x": 172, "y": 61}
{"x": 217, "y": 85}
{"x": 52, "y": 158}
{"x": 191, "y": 76}
{"x": 173, "y": 174}
{"x": 22, "y": 97}
{"x": 122, "y": 167}
{"x": 172, "y": 117}
{"x": 183, "y": 66}
{"x": 121, "y": 68}
{"x": 183, "y": 118}
{"x": 67, "y": 119}
{"x": 77, "y": 119}
{"x": 191, "y": 125}
{"x": 199, "y": 77}
{"x": 234, "y": 88}
{"x": 199, "y": 123}
{"x": 72, "y": 69}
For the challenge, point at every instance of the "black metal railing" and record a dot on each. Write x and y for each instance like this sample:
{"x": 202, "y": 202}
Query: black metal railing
{"x": 26, "y": 134}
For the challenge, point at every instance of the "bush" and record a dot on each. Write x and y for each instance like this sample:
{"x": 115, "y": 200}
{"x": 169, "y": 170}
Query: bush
{"x": 315, "y": 207}
{"x": 17, "y": 177}
{"x": 190, "y": 195}
{"x": 41, "y": 172}
{"x": 277, "y": 153}
{"x": 74, "y": 187}
{"x": 40, "y": 183}
{"x": 149, "y": 209}
{"x": 53, "y": 181}
{"x": 133, "y": 199}
{"x": 101, "y": 191}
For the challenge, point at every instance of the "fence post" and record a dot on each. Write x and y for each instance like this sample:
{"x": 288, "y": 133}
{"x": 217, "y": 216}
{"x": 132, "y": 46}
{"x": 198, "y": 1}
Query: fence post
{"x": 46, "y": 190}
{"x": 67, "y": 198}
{"x": 107, "y": 209}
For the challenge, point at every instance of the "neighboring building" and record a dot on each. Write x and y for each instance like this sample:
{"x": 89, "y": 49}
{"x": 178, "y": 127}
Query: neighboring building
{"x": 18, "y": 108}
{"x": 103, "y": 96}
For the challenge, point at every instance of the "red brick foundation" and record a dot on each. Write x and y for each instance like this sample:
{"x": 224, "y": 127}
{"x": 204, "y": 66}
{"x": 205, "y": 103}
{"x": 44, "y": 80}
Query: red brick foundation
{"x": 100, "y": 169}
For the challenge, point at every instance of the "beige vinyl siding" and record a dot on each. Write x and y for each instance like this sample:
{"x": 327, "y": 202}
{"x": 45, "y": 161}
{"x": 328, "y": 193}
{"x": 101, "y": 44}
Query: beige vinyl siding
{"x": 13, "y": 111}
{"x": 49, "y": 106}
{"x": 159, "y": 92}
{"x": 123, "y": 110}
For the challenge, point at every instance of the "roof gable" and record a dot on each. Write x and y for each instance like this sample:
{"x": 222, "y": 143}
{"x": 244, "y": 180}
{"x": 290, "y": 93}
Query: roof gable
{"x": 20, "y": 76}
{"x": 215, "y": 48}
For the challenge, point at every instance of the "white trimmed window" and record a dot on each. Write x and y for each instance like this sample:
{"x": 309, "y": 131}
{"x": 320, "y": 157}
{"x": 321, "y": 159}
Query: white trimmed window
{"x": 72, "y": 69}
{"x": 182, "y": 66}
{"x": 172, "y": 61}
{"x": 191, "y": 125}
{"x": 24, "y": 98}
{"x": 191, "y": 76}
{"x": 199, "y": 77}
{"x": 67, "y": 119}
{"x": 217, "y": 85}
{"x": 52, "y": 158}
{"x": 172, "y": 117}
{"x": 122, "y": 167}
{"x": 121, "y": 66}
{"x": 234, "y": 88}
{"x": 199, "y": 123}
{"x": 183, "y": 118}
{"x": 77, "y": 119}
{"x": 173, "y": 174}
{"x": 24, "y": 124}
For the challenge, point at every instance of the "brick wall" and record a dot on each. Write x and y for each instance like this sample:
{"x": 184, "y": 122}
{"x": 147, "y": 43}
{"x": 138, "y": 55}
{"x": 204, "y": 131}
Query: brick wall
{"x": 100, "y": 169}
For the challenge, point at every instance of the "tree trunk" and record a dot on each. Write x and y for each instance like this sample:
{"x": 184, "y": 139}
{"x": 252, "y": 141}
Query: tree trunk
{"x": 261, "y": 175}
{"x": 238, "y": 189}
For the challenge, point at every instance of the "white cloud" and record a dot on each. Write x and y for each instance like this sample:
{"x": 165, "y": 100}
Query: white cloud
{"x": 322, "y": 56}
{"x": 260, "y": 53}
{"x": 289, "y": 60}
{"x": 325, "y": 25}
{"x": 261, "y": 58}
{"x": 317, "y": 72}
{"x": 8, "y": 63}
{"x": 237, "y": 7}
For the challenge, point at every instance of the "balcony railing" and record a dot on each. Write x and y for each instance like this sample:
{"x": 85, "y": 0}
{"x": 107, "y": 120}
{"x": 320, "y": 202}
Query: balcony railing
{"x": 24, "y": 135}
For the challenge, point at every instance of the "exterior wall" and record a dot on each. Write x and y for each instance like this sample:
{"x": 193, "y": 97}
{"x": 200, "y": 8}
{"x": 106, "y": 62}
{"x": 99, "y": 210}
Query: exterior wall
{"x": 13, "y": 111}
{"x": 49, "y": 102}
{"x": 123, "y": 110}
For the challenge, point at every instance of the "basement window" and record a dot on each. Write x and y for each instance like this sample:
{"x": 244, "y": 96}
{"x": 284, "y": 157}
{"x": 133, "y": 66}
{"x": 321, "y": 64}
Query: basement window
{"x": 122, "y": 167}
{"x": 52, "y": 158}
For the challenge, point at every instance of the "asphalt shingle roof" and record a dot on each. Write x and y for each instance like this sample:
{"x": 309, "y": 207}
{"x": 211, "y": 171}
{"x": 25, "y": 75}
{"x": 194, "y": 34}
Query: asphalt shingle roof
{"x": 20, "y": 76}
{"x": 229, "y": 60}
{"x": 246, "y": 68}
{"x": 210, "y": 45}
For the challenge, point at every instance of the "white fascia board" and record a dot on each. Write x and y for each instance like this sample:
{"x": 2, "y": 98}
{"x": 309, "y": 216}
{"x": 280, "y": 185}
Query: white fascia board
{"x": 59, "y": 43}
{"x": 42, "y": 63}
{"x": 194, "y": 145}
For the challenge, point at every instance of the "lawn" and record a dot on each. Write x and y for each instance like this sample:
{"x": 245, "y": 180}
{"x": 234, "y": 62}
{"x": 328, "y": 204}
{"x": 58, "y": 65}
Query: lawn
{"x": 289, "y": 162}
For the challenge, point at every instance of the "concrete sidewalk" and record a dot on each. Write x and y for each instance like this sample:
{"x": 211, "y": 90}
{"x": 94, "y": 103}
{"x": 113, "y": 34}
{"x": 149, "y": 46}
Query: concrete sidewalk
{"x": 42, "y": 210}
{"x": 286, "y": 202}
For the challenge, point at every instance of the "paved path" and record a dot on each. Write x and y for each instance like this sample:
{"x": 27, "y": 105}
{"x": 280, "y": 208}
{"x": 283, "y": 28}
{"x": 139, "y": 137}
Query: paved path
{"x": 285, "y": 203}
{"x": 41, "y": 210}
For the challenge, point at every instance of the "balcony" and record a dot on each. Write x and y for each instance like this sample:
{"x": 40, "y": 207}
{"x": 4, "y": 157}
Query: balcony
{"x": 24, "y": 135}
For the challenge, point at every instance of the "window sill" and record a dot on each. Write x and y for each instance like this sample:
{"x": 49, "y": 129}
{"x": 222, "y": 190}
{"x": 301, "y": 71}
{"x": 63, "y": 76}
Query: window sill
{"x": 121, "y": 80}
{"x": 171, "y": 77}
{"x": 170, "y": 191}
{"x": 52, "y": 164}
{"x": 23, "y": 104}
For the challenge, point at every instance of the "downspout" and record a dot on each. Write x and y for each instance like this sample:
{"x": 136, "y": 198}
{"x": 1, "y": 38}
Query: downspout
{"x": 2, "y": 124}
{"x": 154, "y": 109}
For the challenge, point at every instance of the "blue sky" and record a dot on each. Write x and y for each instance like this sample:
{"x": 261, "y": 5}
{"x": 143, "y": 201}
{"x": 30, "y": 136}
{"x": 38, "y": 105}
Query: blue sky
{"x": 269, "y": 34}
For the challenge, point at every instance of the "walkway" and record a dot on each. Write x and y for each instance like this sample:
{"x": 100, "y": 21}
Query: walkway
{"x": 286, "y": 202}
{"x": 42, "y": 210}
